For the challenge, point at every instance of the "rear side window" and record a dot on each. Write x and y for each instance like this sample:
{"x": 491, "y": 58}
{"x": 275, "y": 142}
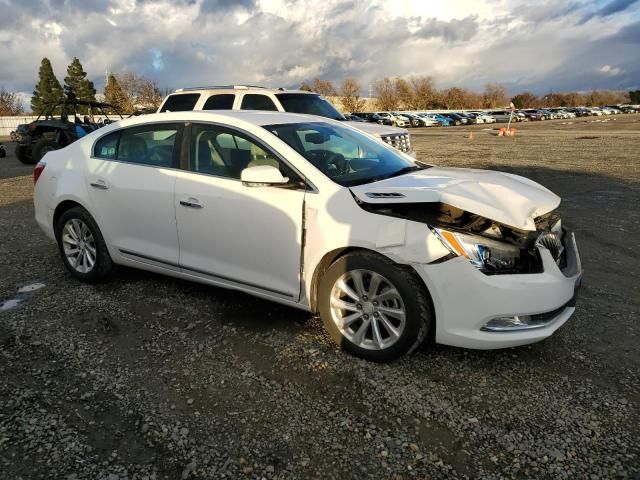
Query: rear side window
{"x": 180, "y": 103}
{"x": 257, "y": 102}
{"x": 148, "y": 145}
{"x": 107, "y": 146}
{"x": 220, "y": 102}
{"x": 144, "y": 145}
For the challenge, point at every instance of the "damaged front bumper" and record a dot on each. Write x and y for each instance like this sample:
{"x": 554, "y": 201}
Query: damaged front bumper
{"x": 474, "y": 310}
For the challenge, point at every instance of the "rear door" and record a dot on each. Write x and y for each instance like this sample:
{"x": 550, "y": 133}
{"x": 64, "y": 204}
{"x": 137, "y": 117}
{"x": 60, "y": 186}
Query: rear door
{"x": 130, "y": 179}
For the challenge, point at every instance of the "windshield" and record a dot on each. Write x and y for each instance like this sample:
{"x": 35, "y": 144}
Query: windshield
{"x": 346, "y": 156}
{"x": 309, "y": 104}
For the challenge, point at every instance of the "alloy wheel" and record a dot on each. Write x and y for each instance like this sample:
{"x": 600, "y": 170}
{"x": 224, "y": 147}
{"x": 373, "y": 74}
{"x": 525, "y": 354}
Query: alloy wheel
{"x": 79, "y": 245}
{"x": 367, "y": 309}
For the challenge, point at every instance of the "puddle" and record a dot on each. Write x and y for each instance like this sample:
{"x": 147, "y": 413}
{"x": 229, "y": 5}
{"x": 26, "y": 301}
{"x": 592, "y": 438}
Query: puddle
{"x": 9, "y": 304}
{"x": 31, "y": 288}
{"x": 23, "y": 294}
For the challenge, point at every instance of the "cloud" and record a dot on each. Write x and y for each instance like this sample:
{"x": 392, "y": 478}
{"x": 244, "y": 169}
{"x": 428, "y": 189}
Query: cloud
{"x": 180, "y": 43}
{"x": 610, "y": 8}
{"x": 452, "y": 31}
{"x": 610, "y": 71}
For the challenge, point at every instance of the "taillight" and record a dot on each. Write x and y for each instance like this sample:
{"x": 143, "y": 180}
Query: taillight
{"x": 38, "y": 170}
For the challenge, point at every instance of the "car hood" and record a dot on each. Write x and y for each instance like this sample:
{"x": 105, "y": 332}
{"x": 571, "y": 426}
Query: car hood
{"x": 375, "y": 129}
{"x": 509, "y": 199}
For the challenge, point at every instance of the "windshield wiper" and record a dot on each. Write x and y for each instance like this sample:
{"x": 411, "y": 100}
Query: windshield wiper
{"x": 397, "y": 173}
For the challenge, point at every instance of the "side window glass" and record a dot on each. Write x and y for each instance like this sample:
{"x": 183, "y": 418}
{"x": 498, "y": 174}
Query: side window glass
{"x": 218, "y": 151}
{"x": 219, "y": 102}
{"x": 183, "y": 102}
{"x": 257, "y": 102}
{"x": 107, "y": 146}
{"x": 148, "y": 145}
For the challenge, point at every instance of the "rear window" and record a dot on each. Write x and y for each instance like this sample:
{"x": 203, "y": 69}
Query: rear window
{"x": 183, "y": 102}
{"x": 308, "y": 103}
{"x": 220, "y": 102}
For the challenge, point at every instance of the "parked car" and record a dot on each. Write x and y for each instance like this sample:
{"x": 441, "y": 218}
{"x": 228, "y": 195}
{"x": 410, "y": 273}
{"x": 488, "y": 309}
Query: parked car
{"x": 374, "y": 118}
{"x": 471, "y": 117}
{"x": 456, "y": 119}
{"x": 57, "y": 126}
{"x": 439, "y": 119}
{"x": 243, "y": 97}
{"x": 352, "y": 117}
{"x": 484, "y": 117}
{"x": 312, "y": 213}
{"x": 396, "y": 121}
{"x": 532, "y": 114}
{"x": 20, "y": 130}
{"x": 416, "y": 120}
{"x": 501, "y": 115}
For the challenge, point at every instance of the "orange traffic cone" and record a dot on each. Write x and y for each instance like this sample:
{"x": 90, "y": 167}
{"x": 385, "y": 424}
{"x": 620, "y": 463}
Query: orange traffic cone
{"x": 470, "y": 137}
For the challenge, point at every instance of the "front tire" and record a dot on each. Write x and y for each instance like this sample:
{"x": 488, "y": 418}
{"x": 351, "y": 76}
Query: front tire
{"x": 82, "y": 247}
{"x": 374, "y": 308}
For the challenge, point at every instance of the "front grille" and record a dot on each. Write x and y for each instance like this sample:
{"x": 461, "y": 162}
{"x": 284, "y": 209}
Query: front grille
{"x": 400, "y": 141}
{"x": 552, "y": 241}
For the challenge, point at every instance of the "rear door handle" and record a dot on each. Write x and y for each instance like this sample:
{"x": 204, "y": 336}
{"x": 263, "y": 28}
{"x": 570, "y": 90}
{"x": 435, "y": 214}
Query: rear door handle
{"x": 191, "y": 203}
{"x": 99, "y": 184}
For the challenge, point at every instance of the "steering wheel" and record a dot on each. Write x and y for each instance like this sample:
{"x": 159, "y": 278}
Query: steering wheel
{"x": 330, "y": 163}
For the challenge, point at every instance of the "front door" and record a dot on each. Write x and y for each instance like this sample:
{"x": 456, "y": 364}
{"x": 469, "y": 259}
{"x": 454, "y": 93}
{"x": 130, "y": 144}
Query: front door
{"x": 236, "y": 234}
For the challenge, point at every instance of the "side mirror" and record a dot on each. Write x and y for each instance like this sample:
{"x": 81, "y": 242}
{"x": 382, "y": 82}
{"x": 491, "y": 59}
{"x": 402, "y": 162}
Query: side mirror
{"x": 262, "y": 176}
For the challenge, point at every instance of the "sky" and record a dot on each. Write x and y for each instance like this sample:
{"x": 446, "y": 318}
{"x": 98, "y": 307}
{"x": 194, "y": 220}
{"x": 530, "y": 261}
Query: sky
{"x": 540, "y": 46}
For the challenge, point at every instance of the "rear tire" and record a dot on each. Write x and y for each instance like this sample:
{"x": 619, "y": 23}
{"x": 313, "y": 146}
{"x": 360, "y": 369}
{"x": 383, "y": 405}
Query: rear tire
{"x": 43, "y": 146}
{"x": 387, "y": 312}
{"x": 22, "y": 156}
{"x": 82, "y": 247}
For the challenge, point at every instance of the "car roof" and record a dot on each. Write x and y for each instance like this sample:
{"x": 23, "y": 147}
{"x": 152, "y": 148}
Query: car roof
{"x": 239, "y": 88}
{"x": 256, "y": 117}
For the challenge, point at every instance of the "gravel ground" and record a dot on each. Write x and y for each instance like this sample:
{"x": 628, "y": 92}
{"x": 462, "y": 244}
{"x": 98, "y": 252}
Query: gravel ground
{"x": 151, "y": 377}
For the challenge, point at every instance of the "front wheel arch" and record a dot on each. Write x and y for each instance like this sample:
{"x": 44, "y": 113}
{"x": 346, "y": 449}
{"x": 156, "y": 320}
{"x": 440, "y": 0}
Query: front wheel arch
{"x": 330, "y": 257}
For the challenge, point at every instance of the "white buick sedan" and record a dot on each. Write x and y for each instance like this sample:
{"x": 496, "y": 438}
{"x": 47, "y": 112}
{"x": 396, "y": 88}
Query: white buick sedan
{"x": 314, "y": 214}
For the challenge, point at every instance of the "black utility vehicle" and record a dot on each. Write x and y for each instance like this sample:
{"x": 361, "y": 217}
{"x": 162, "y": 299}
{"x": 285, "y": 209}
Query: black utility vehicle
{"x": 58, "y": 126}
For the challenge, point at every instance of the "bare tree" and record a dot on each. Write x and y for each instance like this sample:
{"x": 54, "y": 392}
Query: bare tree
{"x": 495, "y": 95}
{"x": 525, "y": 100}
{"x": 324, "y": 87}
{"x": 423, "y": 92}
{"x": 350, "y": 91}
{"x": 453, "y": 98}
{"x": 387, "y": 94}
{"x": 149, "y": 95}
{"x": 9, "y": 103}
{"x": 138, "y": 91}
{"x": 404, "y": 92}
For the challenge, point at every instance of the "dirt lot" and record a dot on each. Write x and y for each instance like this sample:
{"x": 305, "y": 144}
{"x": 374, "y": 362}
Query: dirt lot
{"x": 151, "y": 377}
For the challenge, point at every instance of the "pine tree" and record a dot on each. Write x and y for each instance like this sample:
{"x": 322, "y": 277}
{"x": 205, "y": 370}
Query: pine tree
{"x": 116, "y": 96}
{"x": 48, "y": 88}
{"x": 77, "y": 86}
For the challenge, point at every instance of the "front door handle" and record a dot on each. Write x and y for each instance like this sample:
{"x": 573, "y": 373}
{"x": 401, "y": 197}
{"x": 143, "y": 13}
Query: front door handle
{"x": 99, "y": 184}
{"x": 191, "y": 203}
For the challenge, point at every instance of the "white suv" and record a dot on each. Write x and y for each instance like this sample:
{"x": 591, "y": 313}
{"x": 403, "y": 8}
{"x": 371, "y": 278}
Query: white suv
{"x": 314, "y": 214}
{"x": 243, "y": 97}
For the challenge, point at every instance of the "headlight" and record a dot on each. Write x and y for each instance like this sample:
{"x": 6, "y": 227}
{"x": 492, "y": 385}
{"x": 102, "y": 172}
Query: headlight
{"x": 484, "y": 253}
